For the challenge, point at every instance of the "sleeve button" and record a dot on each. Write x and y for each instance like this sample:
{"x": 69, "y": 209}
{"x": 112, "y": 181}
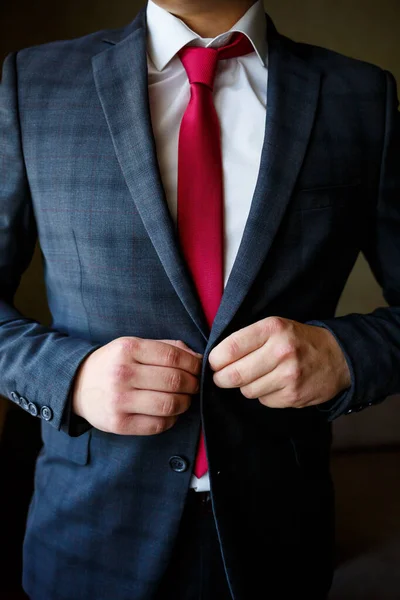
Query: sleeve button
{"x": 24, "y": 403}
{"x": 46, "y": 413}
{"x": 33, "y": 409}
{"x": 15, "y": 398}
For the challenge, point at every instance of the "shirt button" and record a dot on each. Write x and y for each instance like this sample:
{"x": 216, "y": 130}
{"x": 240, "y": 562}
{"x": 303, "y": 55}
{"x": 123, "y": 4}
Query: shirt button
{"x": 24, "y": 403}
{"x": 15, "y": 398}
{"x": 33, "y": 409}
{"x": 178, "y": 464}
{"x": 46, "y": 413}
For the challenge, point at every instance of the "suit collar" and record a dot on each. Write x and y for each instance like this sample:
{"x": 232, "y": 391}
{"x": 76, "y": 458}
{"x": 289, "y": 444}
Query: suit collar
{"x": 162, "y": 49}
{"x": 115, "y": 36}
{"x": 167, "y": 34}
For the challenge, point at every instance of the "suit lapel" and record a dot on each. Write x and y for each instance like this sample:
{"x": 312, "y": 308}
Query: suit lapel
{"x": 292, "y": 96}
{"x": 120, "y": 74}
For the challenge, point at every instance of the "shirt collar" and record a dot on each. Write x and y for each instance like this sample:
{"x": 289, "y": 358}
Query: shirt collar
{"x": 167, "y": 34}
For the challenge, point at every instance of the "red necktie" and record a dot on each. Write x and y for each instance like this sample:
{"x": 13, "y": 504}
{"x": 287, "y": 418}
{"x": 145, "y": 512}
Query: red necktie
{"x": 200, "y": 184}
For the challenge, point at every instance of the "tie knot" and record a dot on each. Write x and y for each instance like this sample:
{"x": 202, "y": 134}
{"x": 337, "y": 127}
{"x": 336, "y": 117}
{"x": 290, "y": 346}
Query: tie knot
{"x": 201, "y": 63}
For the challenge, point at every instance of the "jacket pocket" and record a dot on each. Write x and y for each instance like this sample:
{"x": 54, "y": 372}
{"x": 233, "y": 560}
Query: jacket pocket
{"x": 59, "y": 444}
{"x": 326, "y": 196}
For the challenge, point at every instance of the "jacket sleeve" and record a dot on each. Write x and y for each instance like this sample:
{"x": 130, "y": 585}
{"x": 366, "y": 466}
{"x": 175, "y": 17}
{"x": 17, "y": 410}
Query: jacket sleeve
{"x": 37, "y": 363}
{"x": 371, "y": 342}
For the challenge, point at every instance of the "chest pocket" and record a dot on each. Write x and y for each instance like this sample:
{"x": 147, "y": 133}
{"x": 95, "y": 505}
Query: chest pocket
{"x": 325, "y": 196}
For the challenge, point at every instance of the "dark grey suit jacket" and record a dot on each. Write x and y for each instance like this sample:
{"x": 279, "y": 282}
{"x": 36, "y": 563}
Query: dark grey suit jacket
{"x": 78, "y": 168}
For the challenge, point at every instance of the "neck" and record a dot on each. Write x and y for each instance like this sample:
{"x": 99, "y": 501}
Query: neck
{"x": 207, "y": 18}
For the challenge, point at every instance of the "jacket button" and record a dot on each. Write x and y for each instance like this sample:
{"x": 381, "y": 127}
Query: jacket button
{"x": 15, "y": 398}
{"x": 33, "y": 409}
{"x": 46, "y": 413}
{"x": 178, "y": 464}
{"x": 24, "y": 403}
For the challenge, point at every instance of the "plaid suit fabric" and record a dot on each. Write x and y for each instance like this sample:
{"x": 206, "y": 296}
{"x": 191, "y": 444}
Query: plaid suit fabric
{"x": 78, "y": 169}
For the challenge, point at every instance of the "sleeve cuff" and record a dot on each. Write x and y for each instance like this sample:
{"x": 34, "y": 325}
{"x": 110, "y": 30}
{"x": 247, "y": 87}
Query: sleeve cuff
{"x": 72, "y": 424}
{"x": 344, "y": 400}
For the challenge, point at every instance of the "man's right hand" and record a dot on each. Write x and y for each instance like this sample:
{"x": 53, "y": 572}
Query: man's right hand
{"x": 135, "y": 386}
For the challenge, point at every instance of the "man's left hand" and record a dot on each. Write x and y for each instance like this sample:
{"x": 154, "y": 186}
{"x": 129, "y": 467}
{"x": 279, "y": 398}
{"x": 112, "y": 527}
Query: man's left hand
{"x": 283, "y": 363}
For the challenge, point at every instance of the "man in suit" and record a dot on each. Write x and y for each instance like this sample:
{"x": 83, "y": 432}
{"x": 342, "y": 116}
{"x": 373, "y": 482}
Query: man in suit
{"x": 201, "y": 187}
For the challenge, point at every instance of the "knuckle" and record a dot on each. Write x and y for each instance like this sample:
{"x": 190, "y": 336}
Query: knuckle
{"x": 170, "y": 422}
{"x": 174, "y": 381}
{"x": 275, "y": 324}
{"x": 247, "y": 392}
{"x": 181, "y": 343}
{"x": 127, "y": 345}
{"x": 233, "y": 347}
{"x": 115, "y": 402}
{"x": 172, "y": 355}
{"x": 183, "y": 402}
{"x": 120, "y": 372}
{"x": 235, "y": 377}
{"x": 263, "y": 400}
{"x": 142, "y": 425}
{"x": 287, "y": 349}
{"x": 168, "y": 406}
{"x": 159, "y": 426}
{"x": 294, "y": 372}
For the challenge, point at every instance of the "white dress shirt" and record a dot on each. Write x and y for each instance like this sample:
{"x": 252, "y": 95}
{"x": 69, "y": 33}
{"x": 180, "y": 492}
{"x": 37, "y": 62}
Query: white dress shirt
{"x": 240, "y": 98}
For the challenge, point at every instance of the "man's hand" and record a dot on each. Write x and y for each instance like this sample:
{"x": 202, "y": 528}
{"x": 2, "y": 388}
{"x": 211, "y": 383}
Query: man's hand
{"x": 135, "y": 386}
{"x": 281, "y": 362}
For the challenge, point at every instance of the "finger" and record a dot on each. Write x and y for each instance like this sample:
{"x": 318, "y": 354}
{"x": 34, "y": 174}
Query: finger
{"x": 247, "y": 369}
{"x": 160, "y": 353}
{"x": 280, "y": 399}
{"x": 156, "y": 404}
{"x": 274, "y": 400}
{"x": 181, "y": 344}
{"x": 143, "y": 425}
{"x": 185, "y": 348}
{"x": 242, "y": 342}
{"x": 163, "y": 379}
{"x": 270, "y": 383}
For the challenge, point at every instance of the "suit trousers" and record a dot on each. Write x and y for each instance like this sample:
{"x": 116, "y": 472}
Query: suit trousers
{"x": 196, "y": 570}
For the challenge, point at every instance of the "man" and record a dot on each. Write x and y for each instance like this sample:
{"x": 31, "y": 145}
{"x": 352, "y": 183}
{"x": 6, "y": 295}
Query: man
{"x": 199, "y": 208}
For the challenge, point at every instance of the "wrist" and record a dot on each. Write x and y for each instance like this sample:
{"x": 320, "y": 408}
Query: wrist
{"x": 339, "y": 363}
{"x": 76, "y": 395}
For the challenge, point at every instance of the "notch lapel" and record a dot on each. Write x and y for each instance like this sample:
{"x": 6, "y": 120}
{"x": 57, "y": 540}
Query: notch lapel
{"x": 120, "y": 74}
{"x": 292, "y": 96}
